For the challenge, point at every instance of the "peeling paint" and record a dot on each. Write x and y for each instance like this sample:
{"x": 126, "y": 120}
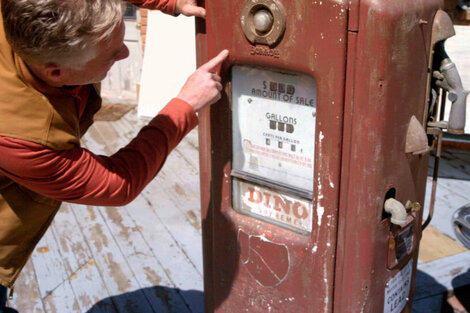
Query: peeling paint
{"x": 43, "y": 249}
{"x": 194, "y": 220}
{"x": 263, "y": 238}
{"x": 320, "y": 208}
{"x": 326, "y": 300}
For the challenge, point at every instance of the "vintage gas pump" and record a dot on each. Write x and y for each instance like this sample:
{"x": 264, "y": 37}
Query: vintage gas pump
{"x": 314, "y": 162}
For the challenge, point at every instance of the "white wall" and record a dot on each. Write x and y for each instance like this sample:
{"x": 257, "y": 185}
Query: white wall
{"x": 169, "y": 58}
{"x": 458, "y": 49}
{"x": 120, "y": 84}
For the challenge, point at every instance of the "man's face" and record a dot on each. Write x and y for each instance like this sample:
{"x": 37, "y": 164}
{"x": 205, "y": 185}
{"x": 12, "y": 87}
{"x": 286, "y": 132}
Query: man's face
{"x": 96, "y": 69}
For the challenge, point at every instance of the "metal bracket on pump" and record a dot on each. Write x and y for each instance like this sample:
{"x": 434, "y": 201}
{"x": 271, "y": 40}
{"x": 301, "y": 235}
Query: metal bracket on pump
{"x": 263, "y": 21}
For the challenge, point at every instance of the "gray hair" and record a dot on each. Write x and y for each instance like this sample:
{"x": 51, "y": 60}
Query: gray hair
{"x": 63, "y": 32}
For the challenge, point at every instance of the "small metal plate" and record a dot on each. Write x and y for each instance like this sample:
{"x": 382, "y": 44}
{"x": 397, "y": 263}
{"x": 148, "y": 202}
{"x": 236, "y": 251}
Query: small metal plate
{"x": 404, "y": 243}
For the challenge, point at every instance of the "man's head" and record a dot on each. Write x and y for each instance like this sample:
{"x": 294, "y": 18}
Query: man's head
{"x": 66, "y": 42}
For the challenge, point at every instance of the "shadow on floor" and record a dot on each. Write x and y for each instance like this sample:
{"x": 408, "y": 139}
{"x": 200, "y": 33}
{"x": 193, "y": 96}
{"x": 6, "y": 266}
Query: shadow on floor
{"x": 454, "y": 164}
{"x": 462, "y": 294}
{"x": 433, "y": 297}
{"x": 156, "y": 299}
{"x": 428, "y": 294}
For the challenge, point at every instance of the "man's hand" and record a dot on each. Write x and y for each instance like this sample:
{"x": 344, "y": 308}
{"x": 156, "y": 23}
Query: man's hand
{"x": 203, "y": 86}
{"x": 189, "y": 8}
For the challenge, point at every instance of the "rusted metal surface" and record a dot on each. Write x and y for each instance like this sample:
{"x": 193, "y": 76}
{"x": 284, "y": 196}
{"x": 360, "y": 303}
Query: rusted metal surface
{"x": 386, "y": 88}
{"x": 369, "y": 60}
{"x": 251, "y": 265}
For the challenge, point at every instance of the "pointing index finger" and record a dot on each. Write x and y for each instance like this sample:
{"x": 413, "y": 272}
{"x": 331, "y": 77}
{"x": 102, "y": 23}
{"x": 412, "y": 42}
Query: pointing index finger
{"x": 213, "y": 65}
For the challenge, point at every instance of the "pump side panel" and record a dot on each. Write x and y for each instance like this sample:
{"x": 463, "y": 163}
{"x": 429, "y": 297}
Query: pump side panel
{"x": 251, "y": 265}
{"x": 386, "y": 85}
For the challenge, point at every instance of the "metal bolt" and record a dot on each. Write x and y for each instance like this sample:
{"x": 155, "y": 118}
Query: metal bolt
{"x": 416, "y": 206}
{"x": 263, "y": 21}
{"x": 452, "y": 96}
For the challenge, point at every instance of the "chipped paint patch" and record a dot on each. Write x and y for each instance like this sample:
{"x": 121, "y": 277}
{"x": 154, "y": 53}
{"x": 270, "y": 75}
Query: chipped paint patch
{"x": 194, "y": 220}
{"x": 326, "y": 300}
{"x": 43, "y": 249}
{"x": 320, "y": 208}
{"x": 263, "y": 238}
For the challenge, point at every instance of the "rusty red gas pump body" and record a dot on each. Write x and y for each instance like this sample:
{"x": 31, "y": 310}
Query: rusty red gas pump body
{"x": 305, "y": 147}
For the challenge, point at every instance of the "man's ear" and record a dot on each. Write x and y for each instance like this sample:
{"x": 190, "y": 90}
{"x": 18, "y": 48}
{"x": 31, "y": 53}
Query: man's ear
{"x": 54, "y": 73}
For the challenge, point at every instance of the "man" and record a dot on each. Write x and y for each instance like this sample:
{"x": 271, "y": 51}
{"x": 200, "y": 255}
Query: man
{"x": 51, "y": 51}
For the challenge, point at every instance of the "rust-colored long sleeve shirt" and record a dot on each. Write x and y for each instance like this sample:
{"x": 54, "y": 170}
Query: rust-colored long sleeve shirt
{"x": 80, "y": 176}
{"x": 166, "y": 6}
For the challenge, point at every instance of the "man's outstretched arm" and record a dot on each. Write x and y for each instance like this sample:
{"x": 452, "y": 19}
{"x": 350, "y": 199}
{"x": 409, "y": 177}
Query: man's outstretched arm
{"x": 80, "y": 176}
{"x": 173, "y": 7}
{"x": 77, "y": 175}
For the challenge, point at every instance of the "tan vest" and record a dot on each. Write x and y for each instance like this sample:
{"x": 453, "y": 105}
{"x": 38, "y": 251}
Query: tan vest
{"x": 49, "y": 118}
